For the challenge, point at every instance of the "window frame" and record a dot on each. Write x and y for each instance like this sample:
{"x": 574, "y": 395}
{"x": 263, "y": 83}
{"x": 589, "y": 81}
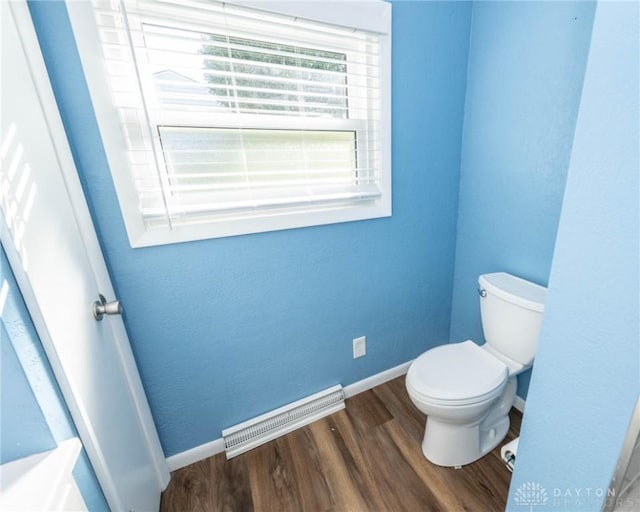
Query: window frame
{"x": 371, "y": 15}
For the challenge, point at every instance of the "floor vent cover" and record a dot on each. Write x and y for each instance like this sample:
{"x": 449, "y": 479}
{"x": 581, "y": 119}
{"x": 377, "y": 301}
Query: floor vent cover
{"x": 264, "y": 428}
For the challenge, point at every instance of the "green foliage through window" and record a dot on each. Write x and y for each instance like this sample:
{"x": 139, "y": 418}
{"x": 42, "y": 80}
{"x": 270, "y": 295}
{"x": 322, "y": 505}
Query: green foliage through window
{"x": 265, "y": 77}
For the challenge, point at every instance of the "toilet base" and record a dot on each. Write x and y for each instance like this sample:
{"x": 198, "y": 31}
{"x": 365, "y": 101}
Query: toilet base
{"x": 451, "y": 444}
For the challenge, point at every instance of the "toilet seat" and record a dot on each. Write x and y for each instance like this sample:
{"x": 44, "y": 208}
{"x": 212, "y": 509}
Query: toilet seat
{"x": 457, "y": 374}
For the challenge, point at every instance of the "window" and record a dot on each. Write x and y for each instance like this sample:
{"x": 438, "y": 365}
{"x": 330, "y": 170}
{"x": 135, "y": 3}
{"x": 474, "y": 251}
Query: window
{"x": 220, "y": 119}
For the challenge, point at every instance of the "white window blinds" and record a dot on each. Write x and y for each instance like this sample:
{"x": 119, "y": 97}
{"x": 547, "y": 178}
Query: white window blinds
{"x": 227, "y": 110}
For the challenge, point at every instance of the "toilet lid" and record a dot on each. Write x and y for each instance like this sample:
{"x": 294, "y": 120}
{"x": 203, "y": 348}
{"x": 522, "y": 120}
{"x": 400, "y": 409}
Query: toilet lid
{"x": 457, "y": 372}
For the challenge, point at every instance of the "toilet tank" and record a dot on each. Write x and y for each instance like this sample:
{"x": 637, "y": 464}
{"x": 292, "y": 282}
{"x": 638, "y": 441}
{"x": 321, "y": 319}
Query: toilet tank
{"x": 511, "y": 310}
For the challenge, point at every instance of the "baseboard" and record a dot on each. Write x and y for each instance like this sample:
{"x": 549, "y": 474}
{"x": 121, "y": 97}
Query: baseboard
{"x": 519, "y": 404}
{"x": 375, "y": 380}
{"x": 204, "y": 451}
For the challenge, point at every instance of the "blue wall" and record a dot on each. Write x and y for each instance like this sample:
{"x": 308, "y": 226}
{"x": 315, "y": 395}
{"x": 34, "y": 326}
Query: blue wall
{"x": 226, "y": 329}
{"x": 587, "y": 375}
{"x": 526, "y": 66}
{"x": 33, "y": 415}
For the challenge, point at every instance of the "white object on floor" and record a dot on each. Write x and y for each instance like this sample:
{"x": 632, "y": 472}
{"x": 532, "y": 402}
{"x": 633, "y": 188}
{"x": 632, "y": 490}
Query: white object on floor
{"x": 508, "y": 453}
{"x": 467, "y": 390}
{"x": 257, "y": 431}
{"x": 42, "y": 481}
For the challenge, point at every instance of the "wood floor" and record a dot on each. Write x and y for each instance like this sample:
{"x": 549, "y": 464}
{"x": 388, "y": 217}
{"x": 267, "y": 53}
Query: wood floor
{"x": 365, "y": 458}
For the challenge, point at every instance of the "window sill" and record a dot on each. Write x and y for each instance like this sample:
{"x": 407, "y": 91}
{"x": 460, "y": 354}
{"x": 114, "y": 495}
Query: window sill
{"x": 256, "y": 222}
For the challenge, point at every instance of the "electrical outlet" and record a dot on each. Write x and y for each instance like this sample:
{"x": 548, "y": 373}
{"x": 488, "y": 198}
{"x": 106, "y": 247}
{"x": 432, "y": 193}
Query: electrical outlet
{"x": 359, "y": 347}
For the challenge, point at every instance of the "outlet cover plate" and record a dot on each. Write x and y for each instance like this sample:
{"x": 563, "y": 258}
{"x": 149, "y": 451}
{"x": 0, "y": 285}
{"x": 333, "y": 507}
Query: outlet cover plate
{"x": 359, "y": 347}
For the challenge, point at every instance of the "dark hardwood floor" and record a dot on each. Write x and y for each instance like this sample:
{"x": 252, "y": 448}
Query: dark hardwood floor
{"x": 365, "y": 458}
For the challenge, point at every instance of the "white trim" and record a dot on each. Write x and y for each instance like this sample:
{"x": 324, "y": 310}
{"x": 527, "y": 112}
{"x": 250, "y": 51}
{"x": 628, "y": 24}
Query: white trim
{"x": 279, "y": 220}
{"x": 31, "y": 47}
{"x": 519, "y": 404}
{"x": 375, "y": 18}
{"x": 193, "y": 455}
{"x": 374, "y": 15}
{"x": 85, "y": 32}
{"x": 206, "y": 450}
{"x": 375, "y": 380}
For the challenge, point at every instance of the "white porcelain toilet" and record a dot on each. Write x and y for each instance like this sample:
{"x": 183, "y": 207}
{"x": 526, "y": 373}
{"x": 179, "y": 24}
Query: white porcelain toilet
{"x": 467, "y": 390}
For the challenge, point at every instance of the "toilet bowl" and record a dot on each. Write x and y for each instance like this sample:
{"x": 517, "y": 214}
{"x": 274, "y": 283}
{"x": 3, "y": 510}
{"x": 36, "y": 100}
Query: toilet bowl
{"x": 467, "y": 390}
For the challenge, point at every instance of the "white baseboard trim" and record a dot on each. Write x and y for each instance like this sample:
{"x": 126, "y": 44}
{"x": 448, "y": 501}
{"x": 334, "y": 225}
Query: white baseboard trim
{"x": 204, "y": 451}
{"x": 519, "y": 404}
{"x": 375, "y": 380}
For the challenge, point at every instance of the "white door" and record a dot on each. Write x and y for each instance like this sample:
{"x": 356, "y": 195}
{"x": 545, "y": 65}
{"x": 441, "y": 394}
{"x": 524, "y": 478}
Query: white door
{"x": 53, "y": 249}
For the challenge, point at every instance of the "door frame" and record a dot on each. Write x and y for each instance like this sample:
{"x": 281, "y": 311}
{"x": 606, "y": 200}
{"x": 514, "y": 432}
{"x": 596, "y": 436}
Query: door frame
{"x": 22, "y": 18}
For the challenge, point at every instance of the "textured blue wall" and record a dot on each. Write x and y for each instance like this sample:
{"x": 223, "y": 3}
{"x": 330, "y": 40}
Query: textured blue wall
{"x": 526, "y": 66}
{"x": 33, "y": 415}
{"x": 226, "y": 329}
{"x": 587, "y": 376}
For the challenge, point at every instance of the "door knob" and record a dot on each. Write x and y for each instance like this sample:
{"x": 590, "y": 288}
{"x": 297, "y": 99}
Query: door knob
{"x": 102, "y": 307}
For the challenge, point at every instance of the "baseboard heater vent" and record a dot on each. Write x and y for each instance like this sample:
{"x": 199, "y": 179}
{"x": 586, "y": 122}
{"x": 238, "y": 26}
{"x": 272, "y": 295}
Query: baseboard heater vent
{"x": 252, "y": 433}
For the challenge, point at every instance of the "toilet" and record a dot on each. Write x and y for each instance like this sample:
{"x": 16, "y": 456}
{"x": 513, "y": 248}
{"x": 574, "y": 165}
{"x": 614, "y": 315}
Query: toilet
{"x": 467, "y": 390}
